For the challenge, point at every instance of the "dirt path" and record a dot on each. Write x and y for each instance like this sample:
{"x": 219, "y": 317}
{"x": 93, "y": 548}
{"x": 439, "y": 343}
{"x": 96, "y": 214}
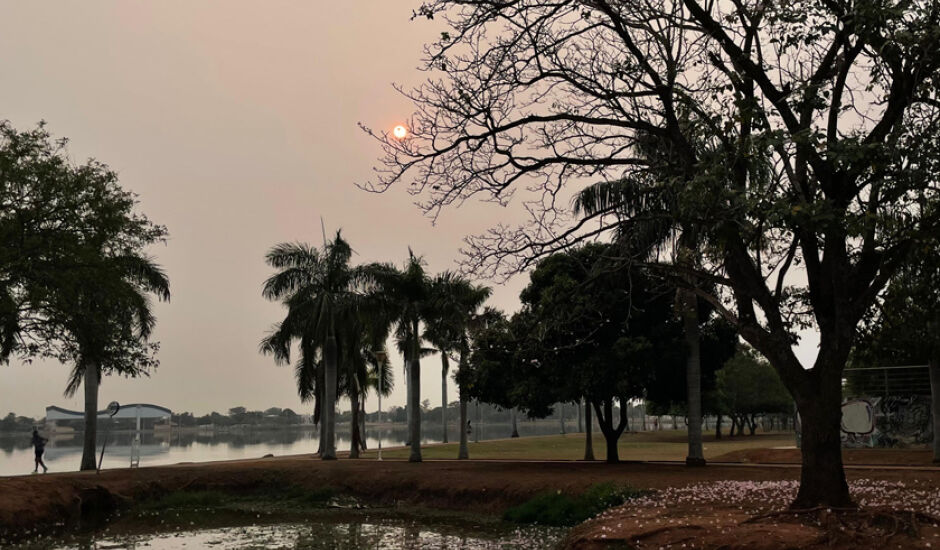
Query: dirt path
{"x": 49, "y": 501}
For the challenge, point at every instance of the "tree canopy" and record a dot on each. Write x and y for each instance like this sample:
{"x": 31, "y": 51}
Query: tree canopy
{"x": 801, "y": 138}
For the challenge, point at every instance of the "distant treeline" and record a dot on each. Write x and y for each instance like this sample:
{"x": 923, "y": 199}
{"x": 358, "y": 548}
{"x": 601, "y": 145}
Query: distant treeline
{"x": 12, "y": 423}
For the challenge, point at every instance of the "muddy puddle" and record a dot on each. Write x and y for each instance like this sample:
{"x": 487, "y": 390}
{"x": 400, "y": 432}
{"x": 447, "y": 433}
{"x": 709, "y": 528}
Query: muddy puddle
{"x": 320, "y": 530}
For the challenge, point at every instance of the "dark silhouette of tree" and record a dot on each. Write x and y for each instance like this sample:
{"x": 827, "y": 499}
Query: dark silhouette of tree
{"x": 76, "y": 283}
{"x": 836, "y": 99}
{"x": 323, "y": 295}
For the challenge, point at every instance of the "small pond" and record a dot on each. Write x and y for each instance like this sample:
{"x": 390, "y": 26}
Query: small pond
{"x": 325, "y": 529}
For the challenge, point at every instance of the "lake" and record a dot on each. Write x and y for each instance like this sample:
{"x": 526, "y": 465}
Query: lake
{"x": 64, "y": 451}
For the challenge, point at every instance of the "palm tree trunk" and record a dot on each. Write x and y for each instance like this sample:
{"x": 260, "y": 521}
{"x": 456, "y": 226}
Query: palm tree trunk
{"x": 414, "y": 390}
{"x": 588, "y": 436}
{"x": 354, "y": 443}
{"x": 91, "y": 415}
{"x": 408, "y": 399}
{"x": 329, "y": 391}
{"x": 933, "y": 365}
{"x": 463, "y": 452}
{"x": 444, "y": 368}
{"x": 693, "y": 377}
{"x": 512, "y": 417}
{"x": 362, "y": 420}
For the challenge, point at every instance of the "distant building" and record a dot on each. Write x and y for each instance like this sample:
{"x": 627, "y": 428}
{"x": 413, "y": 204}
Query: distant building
{"x": 152, "y": 417}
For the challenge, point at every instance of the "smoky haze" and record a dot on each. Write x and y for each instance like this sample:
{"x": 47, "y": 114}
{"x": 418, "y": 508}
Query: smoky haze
{"x": 235, "y": 123}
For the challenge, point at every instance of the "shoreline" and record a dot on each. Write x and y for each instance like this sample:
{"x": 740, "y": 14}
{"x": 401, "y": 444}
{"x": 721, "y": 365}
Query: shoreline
{"x": 55, "y": 502}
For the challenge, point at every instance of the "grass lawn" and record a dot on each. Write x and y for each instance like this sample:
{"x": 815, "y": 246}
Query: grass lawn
{"x": 653, "y": 445}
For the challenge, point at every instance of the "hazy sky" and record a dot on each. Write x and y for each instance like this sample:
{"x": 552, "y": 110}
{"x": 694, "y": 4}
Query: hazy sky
{"x": 235, "y": 122}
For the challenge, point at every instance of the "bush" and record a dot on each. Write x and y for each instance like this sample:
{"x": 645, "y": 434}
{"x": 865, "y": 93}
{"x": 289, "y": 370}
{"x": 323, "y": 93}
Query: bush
{"x": 563, "y": 510}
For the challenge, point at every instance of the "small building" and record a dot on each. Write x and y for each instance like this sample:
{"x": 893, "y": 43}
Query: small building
{"x": 152, "y": 417}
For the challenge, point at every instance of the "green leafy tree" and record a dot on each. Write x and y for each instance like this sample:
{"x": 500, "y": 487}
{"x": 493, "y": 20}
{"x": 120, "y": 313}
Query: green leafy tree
{"x": 76, "y": 283}
{"x": 748, "y": 386}
{"x": 836, "y": 99}
{"x": 582, "y": 332}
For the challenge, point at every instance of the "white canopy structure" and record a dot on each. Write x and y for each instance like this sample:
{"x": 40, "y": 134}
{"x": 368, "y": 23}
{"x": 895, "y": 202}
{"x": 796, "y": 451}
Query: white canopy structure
{"x": 134, "y": 410}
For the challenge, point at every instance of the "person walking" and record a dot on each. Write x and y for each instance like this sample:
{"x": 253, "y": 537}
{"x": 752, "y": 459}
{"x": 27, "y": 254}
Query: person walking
{"x": 39, "y": 443}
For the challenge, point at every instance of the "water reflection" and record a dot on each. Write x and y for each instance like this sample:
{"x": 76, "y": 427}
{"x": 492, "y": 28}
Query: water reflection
{"x": 326, "y": 534}
{"x": 63, "y": 452}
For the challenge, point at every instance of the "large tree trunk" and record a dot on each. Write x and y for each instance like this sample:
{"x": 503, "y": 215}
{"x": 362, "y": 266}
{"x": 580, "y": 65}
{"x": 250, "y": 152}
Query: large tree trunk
{"x": 444, "y": 368}
{"x": 822, "y": 477}
{"x": 329, "y": 403}
{"x": 693, "y": 376}
{"x": 414, "y": 396}
{"x": 588, "y": 435}
{"x": 463, "y": 452}
{"x": 91, "y": 416}
{"x": 933, "y": 365}
{"x": 605, "y": 419}
{"x": 512, "y": 418}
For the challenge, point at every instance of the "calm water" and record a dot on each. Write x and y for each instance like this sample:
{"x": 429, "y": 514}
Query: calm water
{"x": 64, "y": 452}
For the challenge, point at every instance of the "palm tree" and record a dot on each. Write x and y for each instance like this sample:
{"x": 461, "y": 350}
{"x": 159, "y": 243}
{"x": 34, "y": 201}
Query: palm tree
{"x": 322, "y": 293}
{"x": 455, "y": 300}
{"x": 106, "y": 311}
{"x": 408, "y": 294}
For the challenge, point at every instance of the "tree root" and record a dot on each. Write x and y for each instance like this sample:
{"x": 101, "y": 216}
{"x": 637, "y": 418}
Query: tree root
{"x": 840, "y": 525}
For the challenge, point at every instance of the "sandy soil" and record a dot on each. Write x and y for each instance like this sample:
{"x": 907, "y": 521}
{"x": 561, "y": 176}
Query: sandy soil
{"x": 45, "y": 502}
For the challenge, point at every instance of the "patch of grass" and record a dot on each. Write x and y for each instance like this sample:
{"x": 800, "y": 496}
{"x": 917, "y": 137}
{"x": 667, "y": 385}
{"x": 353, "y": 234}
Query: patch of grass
{"x": 278, "y": 496}
{"x": 186, "y": 499}
{"x": 563, "y": 510}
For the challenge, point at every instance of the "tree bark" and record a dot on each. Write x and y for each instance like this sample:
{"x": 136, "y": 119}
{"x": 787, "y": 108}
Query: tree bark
{"x": 463, "y": 452}
{"x": 444, "y": 368}
{"x": 512, "y": 418}
{"x": 329, "y": 391}
{"x": 588, "y": 435}
{"x": 611, "y": 434}
{"x": 414, "y": 389}
{"x": 718, "y": 426}
{"x": 822, "y": 477}
{"x": 693, "y": 376}
{"x": 933, "y": 365}
{"x": 91, "y": 416}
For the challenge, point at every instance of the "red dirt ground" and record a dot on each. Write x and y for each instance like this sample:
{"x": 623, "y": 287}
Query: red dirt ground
{"x": 49, "y": 501}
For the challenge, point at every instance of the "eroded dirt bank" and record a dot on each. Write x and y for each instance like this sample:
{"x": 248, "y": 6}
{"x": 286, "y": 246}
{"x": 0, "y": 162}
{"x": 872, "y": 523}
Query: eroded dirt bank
{"x": 46, "y": 502}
